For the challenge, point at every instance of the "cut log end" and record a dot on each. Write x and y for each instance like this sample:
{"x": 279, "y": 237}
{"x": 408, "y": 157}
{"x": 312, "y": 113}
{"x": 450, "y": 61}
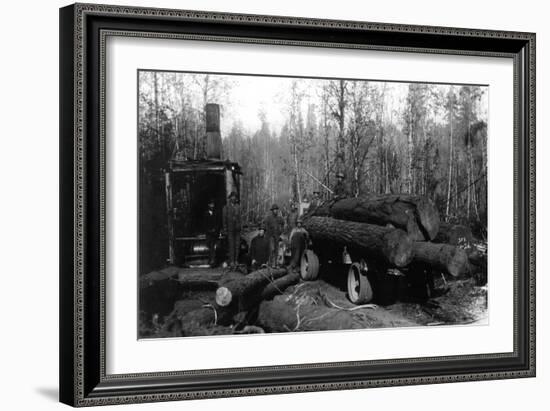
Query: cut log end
{"x": 458, "y": 263}
{"x": 223, "y": 296}
{"x": 243, "y": 291}
{"x": 452, "y": 259}
{"x": 399, "y": 248}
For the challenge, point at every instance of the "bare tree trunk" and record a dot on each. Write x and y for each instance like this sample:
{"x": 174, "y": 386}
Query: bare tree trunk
{"x": 424, "y": 157}
{"x": 388, "y": 180}
{"x": 205, "y": 90}
{"x": 469, "y": 170}
{"x": 457, "y": 177}
{"x": 447, "y": 208}
{"x": 340, "y": 156}
{"x": 157, "y": 114}
{"x": 195, "y": 142}
{"x": 468, "y": 197}
{"x": 297, "y": 171}
{"x": 472, "y": 184}
{"x": 474, "y": 189}
{"x": 381, "y": 145}
{"x": 410, "y": 152}
{"x": 293, "y": 131}
{"x": 327, "y": 156}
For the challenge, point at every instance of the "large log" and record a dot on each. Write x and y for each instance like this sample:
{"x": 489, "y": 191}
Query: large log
{"x": 186, "y": 278}
{"x": 241, "y": 293}
{"x": 449, "y": 258}
{"x": 204, "y": 316}
{"x": 460, "y": 235}
{"x": 280, "y": 316}
{"x": 160, "y": 290}
{"x": 390, "y": 244}
{"x": 415, "y": 214}
{"x": 280, "y": 285}
{"x": 153, "y": 277}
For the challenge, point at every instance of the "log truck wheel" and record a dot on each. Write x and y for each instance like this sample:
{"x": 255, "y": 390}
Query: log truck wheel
{"x": 359, "y": 288}
{"x": 309, "y": 266}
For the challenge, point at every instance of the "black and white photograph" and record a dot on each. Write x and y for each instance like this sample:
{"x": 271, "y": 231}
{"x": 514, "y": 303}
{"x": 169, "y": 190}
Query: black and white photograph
{"x": 272, "y": 204}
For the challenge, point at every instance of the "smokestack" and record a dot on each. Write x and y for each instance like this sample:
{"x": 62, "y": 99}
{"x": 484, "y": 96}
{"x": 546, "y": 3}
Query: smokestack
{"x": 213, "y": 136}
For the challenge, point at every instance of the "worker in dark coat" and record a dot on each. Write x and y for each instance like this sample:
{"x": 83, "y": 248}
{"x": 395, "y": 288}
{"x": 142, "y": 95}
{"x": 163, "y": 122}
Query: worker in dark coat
{"x": 299, "y": 238}
{"x": 340, "y": 187}
{"x": 211, "y": 230}
{"x": 232, "y": 226}
{"x": 274, "y": 226}
{"x": 259, "y": 249}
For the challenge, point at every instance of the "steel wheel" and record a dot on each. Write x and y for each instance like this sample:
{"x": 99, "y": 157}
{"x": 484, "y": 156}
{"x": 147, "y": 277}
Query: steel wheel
{"x": 359, "y": 288}
{"x": 309, "y": 266}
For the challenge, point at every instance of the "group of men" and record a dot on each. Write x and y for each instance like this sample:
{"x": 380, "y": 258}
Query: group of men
{"x": 264, "y": 247}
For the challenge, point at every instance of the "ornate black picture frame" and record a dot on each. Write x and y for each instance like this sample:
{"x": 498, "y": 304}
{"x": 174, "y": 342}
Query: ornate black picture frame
{"x": 83, "y": 30}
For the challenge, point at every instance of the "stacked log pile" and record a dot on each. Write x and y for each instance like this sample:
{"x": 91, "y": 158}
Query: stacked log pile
{"x": 417, "y": 215}
{"x": 236, "y": 295}
{"x": 400, "y": 229}
{"x": 393, "y": 245}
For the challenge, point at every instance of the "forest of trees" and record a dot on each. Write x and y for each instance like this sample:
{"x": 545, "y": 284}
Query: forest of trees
{"x": 385, "y": 137}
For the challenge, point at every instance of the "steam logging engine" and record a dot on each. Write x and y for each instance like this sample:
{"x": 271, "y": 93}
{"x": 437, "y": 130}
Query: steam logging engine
{"x": 190, "y": 185}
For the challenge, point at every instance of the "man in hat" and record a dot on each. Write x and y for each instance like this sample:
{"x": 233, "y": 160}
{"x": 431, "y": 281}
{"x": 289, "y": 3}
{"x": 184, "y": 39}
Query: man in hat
{"x": 259, "y": 249}
{"x": 232, "y": 226}
{"x": 274, "y": 225}
{"x": 299, "y": 239}
{"x": 315, "y": 201}
{"x": 340, "y": 187}
{"x": 211, "y": 232}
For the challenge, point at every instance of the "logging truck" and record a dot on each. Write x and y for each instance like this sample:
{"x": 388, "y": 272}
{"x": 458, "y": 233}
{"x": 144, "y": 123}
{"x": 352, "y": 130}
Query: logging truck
{"x": 376, "y": 236}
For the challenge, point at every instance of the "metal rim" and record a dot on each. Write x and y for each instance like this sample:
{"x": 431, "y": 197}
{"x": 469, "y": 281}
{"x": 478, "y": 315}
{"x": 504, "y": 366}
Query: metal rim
{"x": 354, "y": 282}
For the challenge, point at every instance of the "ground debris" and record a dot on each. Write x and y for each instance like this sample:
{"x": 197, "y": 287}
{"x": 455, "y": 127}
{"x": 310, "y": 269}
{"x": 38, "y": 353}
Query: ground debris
{"x": 320, "y": 305}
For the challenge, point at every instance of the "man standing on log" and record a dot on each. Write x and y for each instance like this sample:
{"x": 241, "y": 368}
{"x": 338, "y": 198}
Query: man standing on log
{"x": 232, "y": 227}
{"x": 340, "y": 187}
{"x": 211, "y": 233}
{"x": 299, "y": 239}
{"x": 274, "y": 225}
{"x": 259, "y": 249}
